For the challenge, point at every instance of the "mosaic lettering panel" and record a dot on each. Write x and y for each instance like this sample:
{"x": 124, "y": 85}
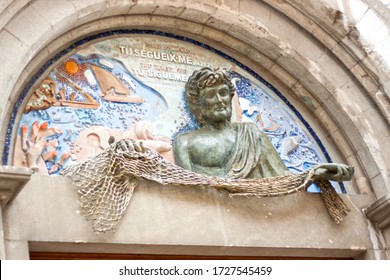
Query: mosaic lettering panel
{"x": 132, "y": 86}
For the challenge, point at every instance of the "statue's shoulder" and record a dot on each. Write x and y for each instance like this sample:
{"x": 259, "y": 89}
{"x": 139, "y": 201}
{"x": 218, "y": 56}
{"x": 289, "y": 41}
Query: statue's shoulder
{"x": 186, "y": 135}
{"x": 186, "y": 139}
{"x": 183, "y": 138}
{"x": 181, "y": 146}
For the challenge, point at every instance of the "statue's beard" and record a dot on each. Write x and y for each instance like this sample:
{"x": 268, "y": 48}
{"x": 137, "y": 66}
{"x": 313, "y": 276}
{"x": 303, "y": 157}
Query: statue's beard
{"x": 217, "y": 115}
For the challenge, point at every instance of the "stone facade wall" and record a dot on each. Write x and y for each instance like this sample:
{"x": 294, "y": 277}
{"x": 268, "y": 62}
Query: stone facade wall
{"x": 330, "y": 60}
{"x": 168, "y": 220}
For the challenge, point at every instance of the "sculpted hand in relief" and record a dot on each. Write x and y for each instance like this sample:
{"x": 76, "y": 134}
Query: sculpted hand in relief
{"x": 127, "y": 145}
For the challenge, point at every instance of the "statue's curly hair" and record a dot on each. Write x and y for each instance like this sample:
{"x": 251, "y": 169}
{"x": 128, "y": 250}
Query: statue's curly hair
{"x": 201, "y": 79}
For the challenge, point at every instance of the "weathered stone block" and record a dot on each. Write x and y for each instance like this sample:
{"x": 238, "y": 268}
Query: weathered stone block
{"x": 255, "y": 11}
{"x": 326, "y": 120}
{"x": 175, "y": 23}
{"x": 324, "y": 37}
{"x": 16, "y": 250}
{"x": 144, "y": 7}
{"x": 305, "y": 96}
{"x": 344, "y": 56}
{"x": 118, "y": 7}
{"x": 231, "y": 4}
{"x": 330, "y": 68}
{"x": 10, "y": 48}
{"x": 200, "y": 16}
{"x": 169, "y": 10}
{"x": 294, "y": 64}
{"x": 137, "y": 20}
{"x": 379, "y": 185}
{"x": 30, "y": 28}
{"x": 315, "y": 83}
{"x": 8, "y": 9}
{"x": 64, "y": 17}
{"x": 345, "y": 123}
{"x": 367, "y": 81}
{"x": 285, "y": 77}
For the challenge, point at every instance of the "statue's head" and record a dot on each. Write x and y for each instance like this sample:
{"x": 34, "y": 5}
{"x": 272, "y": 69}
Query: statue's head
{"x": 209, "y": 93}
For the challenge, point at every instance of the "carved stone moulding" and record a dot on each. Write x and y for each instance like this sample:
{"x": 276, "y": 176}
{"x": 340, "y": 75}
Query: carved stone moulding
{"x": 379, "y": 212}
{"x": 12, "y": 181}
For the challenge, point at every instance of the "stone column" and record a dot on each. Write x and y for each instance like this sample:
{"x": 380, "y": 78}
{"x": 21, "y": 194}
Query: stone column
{"x": 12, "y": 180}
{"x": 2, "y": 241}
{"x": 379, "y": 214}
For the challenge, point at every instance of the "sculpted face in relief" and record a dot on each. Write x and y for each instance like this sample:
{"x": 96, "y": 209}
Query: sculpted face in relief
{"x": 219, "y": 147}
{"x": 216, "y": 103}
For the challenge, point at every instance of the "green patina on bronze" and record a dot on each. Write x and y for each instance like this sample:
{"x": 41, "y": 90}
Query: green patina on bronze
{"x": 231, "y": 150}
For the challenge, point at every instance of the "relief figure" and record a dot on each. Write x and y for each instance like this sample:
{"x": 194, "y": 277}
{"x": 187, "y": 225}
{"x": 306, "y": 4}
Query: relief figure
{"x": 231, "y": 150}
{"x": 235, "y": 157}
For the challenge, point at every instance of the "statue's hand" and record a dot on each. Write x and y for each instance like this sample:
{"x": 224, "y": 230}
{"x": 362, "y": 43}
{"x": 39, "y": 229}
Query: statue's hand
{"x": 129, "y": 145}
{"x": 333, "y": 172}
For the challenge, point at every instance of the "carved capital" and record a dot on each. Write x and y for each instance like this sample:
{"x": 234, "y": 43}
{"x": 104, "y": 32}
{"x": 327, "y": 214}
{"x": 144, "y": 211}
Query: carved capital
{"x": 379, "y": 212}
{"x": 12, "y": 180}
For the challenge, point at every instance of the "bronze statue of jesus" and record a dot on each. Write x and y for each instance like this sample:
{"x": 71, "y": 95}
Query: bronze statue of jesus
{"x": 221, "y": 148}
{"x": 231, "y": 150}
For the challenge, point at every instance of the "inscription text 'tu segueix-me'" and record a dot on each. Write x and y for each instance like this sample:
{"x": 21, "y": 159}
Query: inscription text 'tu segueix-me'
{"x": 157, "y": 55}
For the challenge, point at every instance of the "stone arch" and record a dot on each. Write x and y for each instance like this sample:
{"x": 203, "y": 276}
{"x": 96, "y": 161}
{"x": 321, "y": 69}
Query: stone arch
{"x": 315, "y": 63}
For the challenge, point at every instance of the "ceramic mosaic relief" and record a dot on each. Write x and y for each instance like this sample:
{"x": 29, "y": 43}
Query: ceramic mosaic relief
{"x": 132, "y": 86}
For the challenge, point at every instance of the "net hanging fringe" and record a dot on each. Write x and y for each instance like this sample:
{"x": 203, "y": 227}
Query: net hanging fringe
{"x": 106, "y": 183}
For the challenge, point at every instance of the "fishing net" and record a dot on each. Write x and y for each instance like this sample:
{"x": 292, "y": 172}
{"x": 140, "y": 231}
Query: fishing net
{"x": 106, "y": 183}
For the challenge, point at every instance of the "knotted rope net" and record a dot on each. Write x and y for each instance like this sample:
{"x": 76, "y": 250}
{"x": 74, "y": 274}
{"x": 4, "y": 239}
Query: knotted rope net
{"x": 106, "y": 183}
